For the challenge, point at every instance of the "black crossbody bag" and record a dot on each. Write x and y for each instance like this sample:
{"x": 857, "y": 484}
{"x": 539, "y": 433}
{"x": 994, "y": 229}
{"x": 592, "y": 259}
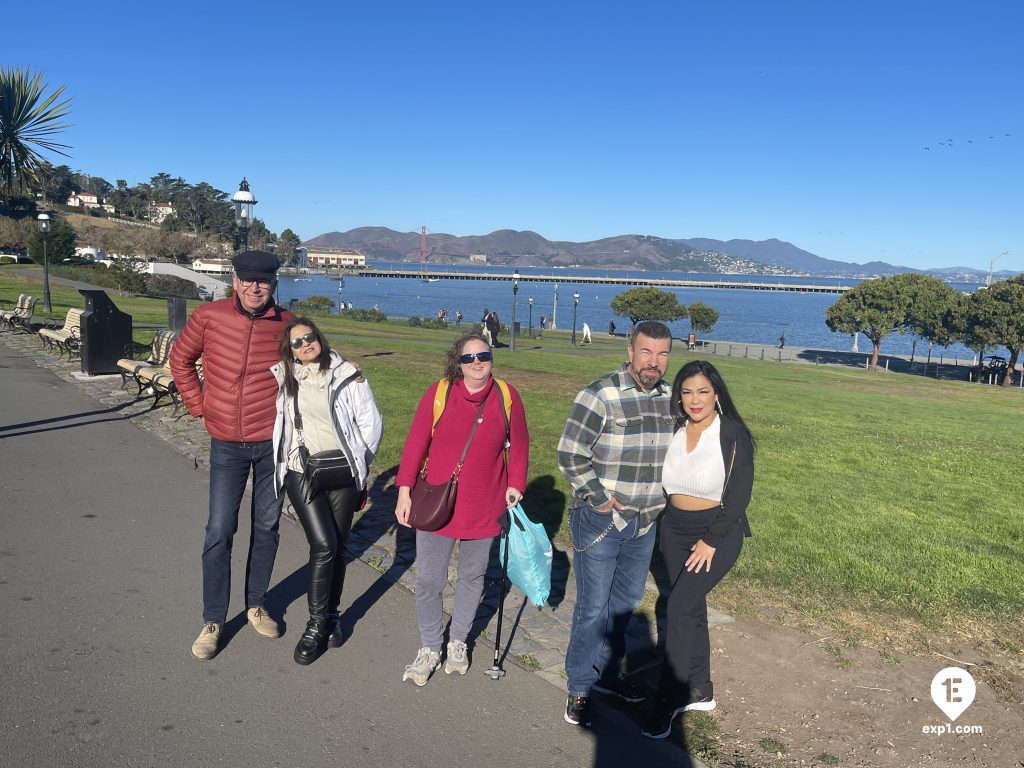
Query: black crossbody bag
{"x": 324, "y": 470}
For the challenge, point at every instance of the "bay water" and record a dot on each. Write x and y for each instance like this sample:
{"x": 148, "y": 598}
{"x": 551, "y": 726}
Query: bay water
{"x": 745, "y": 316}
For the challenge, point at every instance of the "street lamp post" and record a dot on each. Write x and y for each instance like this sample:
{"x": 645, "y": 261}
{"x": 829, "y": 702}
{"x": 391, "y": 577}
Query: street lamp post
{"x": 991, "y": 266}
{"x": 341, "y": 295}
{"x": 515, "y": 290}
{"x": 43, "y": 221}
{"x": 575, "y": 303}
{"x": 530, "y": 325}
{"x": 243, "y": 201}
{"x": 554, "y": 310}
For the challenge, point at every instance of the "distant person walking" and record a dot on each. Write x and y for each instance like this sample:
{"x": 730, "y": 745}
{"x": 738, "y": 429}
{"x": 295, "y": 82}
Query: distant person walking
{"x": 458, "y": 317}
{"x": 543, "y": 323}
{"x": 238, "y": 339}
{"x": 494, "y": 326}
{"x": 611, "y": 452}
{"x": 708, "y": 476}
{"x": 782, "y": 341}
{"x": 485, "y": 327}
{"x": 586, "y": 334}
{"x": 611, "y": 327}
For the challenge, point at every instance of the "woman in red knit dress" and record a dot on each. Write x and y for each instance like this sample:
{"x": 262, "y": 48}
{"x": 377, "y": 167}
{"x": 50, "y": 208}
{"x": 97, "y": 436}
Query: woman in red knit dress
{"x": 487, "y": 486}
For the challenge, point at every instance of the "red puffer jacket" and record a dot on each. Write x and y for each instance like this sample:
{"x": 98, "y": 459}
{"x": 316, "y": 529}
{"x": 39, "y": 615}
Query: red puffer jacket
{"x": 237, "y": 399}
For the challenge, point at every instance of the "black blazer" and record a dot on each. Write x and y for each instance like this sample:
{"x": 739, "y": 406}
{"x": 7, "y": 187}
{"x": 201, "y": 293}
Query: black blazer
{"x": 738, "y": 453}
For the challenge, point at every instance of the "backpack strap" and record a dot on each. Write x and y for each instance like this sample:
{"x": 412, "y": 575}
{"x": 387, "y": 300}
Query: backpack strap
{"x": 444, "y": 390}
{"x": 440, "y": 401}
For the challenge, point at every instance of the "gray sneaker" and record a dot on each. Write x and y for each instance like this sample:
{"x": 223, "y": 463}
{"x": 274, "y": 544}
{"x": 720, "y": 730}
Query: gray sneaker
{"x": 427, "y": 661}
{"x": 457, "y": 659}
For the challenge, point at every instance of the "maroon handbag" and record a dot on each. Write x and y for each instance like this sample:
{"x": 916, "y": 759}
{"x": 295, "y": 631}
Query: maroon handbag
{"x": 433, "y": 505}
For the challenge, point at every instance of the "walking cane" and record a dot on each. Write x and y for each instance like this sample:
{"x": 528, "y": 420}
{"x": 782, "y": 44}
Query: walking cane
{"x": 496, "y": 672}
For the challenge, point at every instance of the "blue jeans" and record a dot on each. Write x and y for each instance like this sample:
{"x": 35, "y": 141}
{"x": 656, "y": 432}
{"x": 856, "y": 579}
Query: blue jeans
{"x": 610, "y": 580}
{"x": 230, "y": 464}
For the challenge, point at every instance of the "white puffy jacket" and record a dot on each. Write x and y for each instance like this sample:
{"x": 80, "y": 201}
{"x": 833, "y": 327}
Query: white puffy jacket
{"x": 357, "y": 421}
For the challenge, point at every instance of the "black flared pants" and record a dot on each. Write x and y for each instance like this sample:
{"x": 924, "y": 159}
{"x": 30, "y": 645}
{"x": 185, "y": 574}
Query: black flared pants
{"x": 687, "y": 664}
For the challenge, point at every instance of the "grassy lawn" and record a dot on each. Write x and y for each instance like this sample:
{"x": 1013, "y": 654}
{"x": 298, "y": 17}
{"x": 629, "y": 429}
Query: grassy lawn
{"x": 884, "y": 504}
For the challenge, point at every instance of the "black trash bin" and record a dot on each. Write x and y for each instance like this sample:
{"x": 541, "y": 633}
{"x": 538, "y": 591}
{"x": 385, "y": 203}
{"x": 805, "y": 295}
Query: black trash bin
{"x": 106, "y": 332}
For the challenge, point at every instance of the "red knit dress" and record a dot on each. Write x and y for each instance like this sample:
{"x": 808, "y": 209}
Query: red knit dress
{"x": 484, "y": 477}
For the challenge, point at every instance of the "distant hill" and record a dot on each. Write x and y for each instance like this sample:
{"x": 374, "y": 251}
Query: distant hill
{"x": 509, "y": 247}
{"x": 788, "y": 255}
{"x": 638, "y": 252}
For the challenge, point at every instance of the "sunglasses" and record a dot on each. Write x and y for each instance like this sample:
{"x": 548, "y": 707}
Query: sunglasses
{"x": 483, "y": 357}
{"x": 306, "y": 338}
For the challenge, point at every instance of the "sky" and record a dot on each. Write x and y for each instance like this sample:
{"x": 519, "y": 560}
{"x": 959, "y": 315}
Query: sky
{"x": 865, "y": 131}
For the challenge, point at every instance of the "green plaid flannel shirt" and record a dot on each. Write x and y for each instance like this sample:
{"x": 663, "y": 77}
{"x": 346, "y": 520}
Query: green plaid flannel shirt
{"x": 614, "y": 444}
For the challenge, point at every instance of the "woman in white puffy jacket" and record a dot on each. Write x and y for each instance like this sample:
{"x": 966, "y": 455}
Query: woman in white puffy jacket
{"x": 336, "y": 411}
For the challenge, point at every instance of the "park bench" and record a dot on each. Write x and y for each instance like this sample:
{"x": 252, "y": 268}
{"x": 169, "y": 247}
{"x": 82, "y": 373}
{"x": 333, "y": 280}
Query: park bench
{"x": 19, "y": 316}
{"x": 67, "y": 338}
{"x": 152, "y": 374}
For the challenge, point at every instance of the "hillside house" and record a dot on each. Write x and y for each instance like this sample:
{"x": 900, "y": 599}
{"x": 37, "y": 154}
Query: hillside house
{"x": 160, "y": 211}
{"x": 84, "y": 200}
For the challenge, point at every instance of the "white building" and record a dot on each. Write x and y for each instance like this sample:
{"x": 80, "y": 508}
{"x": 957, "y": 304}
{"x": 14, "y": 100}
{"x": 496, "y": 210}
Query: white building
{"x": 335, "y": 259}
{"x": 160, "y": 211}
{"x": 83, "y": 200}
{"x": 212, "y": 266}
{"x": 90, "y": 252}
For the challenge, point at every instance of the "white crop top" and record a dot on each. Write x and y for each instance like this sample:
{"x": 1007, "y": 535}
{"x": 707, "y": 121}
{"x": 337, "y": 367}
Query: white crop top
{"x": 700, "y": 474}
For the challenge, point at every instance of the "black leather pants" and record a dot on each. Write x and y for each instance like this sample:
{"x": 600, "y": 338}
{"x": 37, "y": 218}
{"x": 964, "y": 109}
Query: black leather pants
{"x": 326, "y": 519}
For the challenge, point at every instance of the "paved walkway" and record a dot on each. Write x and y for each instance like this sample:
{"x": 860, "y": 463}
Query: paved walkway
{"x": 99, "y": 579}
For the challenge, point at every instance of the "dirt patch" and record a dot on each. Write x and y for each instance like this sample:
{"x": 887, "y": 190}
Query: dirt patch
{"x": 789, "y": 698}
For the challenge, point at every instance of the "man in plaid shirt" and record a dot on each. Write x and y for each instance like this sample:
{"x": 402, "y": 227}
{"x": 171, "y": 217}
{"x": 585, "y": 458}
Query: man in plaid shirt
{"x": 611, "y": 453}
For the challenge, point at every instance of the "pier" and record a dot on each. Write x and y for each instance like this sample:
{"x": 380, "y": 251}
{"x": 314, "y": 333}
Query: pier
{"x": 587, "y": 279}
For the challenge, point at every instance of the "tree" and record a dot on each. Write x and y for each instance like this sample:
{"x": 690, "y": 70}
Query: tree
{"x": 995, "y": 315}
{"x": 60, "y": 242}
{"x": 287, "y": 245}
{"x": 128, "y": 272}
{"x": 640, "y": 304}
{"x": 877, "y": 308}
{"x": 173, "y": 286}
{"x": 935, "y": 311}
{"x": 57, "y": 183}
{"x": 702, "y": 317}
{"x": 259, "y": 235}
{"x": 201, "y": 208}
{"x": 28, "y": 118}
{"x": 14, "y": 234}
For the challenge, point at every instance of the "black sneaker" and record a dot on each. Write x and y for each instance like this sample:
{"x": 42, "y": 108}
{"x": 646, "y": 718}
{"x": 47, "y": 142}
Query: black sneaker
{"x": 699, "y": 702}
{"x": 577, "y": 711}
{"x": 659, "y": 724}
{"x": 621, "y": 688}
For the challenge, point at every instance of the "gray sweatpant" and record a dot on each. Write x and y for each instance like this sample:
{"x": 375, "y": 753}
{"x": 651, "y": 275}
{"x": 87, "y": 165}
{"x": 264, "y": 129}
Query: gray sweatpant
{"x": 433, "y": 553}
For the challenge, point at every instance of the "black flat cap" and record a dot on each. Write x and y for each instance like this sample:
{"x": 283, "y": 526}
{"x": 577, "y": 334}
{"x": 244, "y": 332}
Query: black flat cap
{"x": 255, "y": 265}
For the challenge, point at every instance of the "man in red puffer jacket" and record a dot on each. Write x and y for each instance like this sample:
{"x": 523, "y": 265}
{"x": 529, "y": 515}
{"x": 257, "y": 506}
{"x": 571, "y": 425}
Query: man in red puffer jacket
{"x": 238, "y": 340}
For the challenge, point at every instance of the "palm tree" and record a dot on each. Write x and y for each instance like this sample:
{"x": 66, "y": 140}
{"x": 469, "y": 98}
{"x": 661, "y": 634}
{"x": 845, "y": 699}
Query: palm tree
{"x": 27, "y": 117}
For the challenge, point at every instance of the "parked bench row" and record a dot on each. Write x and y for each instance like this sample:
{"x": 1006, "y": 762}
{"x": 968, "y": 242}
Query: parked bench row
{"x": 146, "y": 365}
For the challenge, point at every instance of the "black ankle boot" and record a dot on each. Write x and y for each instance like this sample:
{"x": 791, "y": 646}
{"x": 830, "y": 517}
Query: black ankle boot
{"x": 334, "y": 635}
{"x": 313, "y": 642}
